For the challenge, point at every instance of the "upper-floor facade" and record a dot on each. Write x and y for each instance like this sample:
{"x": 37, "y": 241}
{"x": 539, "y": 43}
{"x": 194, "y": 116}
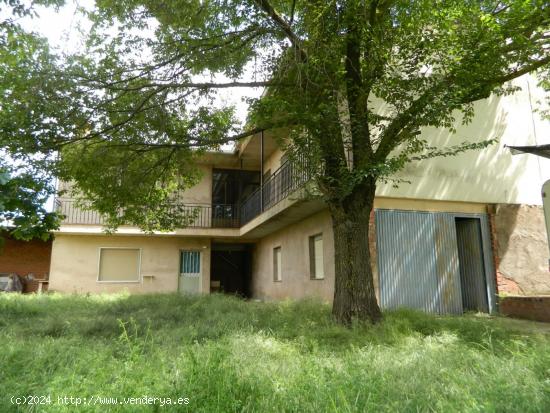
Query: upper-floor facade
{"x": 255, "y": 189}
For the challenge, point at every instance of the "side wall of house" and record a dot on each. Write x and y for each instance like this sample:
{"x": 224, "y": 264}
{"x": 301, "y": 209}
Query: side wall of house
{"x": 202, "y": 192}
{"x": 75, "y": 263}
{"x": 521, "y": 249}
{"x": 273, "y": 162}
{"x": 294, "y": 243}
{"x": 491, "y": 175}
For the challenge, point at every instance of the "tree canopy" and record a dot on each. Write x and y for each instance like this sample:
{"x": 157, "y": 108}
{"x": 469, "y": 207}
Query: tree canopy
{"x": 25, "y": 181}
{"x": 353, "y": 82}
{"x": 140, "y": 97}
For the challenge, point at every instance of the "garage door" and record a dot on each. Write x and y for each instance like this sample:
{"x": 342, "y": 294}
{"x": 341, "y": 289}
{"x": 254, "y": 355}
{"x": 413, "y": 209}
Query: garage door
{"x": 419, "y": 264}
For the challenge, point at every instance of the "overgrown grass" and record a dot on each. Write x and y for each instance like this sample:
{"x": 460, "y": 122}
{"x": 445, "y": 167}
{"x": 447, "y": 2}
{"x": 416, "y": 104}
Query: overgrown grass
{"x": 229, "y": 355}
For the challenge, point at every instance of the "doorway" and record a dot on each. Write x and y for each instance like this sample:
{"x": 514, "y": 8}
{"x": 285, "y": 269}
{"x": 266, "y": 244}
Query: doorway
{"x": 231, "y": 269}
{"x": 473, "y": 280}
{"x": 190, "y": 280}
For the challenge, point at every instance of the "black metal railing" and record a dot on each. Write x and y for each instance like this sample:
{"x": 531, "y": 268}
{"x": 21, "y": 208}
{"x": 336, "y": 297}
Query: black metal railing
{"x": 290, "y": 176}
{"x": 194, "y": 215}
{"x": 73, "y": 213}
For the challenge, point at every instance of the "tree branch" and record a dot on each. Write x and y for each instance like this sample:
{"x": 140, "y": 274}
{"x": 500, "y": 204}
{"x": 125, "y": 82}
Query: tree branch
{"x": 534, "y": 65}
{"x": 190, "y": 85}
{"x": 478, "y": 90}
{"x": 283, "y": 25}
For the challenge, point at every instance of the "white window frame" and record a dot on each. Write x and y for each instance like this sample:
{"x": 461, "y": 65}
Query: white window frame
{"x": 311, "y": 252}
{"x": 195, "y": 275}
{"x": 139, "y": 279}
{"x": 277, "y": 276}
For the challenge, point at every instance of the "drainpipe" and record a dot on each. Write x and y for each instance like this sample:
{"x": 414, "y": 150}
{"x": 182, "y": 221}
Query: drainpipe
{"x": 261, "y": 171}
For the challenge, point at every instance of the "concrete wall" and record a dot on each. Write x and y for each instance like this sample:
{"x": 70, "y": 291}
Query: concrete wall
{"x": 75, "y": 259}
{"x": 491, "y": 175}
{"x": 202, "y": 192}
{"x": 521, "y": 249}
{"x": 294, "y": 243}
{"x": 273, "y": 162}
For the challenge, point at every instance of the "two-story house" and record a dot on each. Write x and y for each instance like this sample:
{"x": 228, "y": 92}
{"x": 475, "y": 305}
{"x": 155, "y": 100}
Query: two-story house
{"x": 464, "y": 229}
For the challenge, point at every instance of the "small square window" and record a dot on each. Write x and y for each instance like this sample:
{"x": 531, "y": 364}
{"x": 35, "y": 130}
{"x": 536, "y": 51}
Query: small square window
{"x": 119, "y": 265}
{"x": 316, "y": 262}
{"x": 277, "y": 264}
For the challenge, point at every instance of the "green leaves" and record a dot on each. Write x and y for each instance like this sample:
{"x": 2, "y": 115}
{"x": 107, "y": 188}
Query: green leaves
{"x": 22, "y": 199}
{"x": 131, "y": 184}
{"x": 350, "y": 83}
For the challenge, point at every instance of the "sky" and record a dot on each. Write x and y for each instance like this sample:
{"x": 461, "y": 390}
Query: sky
{"x": 61, "y": 28}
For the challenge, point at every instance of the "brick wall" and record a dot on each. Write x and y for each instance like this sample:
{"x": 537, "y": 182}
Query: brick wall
{"x": 22, "y": 257}
{"x": 530, "y": 308}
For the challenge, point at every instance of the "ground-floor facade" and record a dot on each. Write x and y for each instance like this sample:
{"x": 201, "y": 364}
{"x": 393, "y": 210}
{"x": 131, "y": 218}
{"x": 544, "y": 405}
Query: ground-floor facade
{"x": 441, "y": 257}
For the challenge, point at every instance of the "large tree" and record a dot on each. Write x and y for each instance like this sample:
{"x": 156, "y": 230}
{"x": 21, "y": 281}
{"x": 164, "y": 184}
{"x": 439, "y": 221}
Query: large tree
{"x": 25, "y": 70}
{"x": 351, "y": 82}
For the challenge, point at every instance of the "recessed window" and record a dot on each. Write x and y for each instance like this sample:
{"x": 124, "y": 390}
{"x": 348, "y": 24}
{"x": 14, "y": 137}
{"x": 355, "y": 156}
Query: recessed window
{"x": 190, "y": 272}
{"x": 277, "y": 264}
{"x": 316, "y": 263}
{"x": 190, "y": 263}
{"x": 119, "y": 264}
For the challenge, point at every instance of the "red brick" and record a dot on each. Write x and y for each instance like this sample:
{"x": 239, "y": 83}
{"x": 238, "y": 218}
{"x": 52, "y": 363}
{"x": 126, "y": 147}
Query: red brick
{"x": 530, "y": 308}
{"x": 22, "y": 257}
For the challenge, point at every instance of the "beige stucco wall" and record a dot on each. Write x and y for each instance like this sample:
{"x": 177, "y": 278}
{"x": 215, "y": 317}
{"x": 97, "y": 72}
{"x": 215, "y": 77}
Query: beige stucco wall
{"x": 491, "y": 175}
{"x": 75, "y": 258}
{"x": 294, "y": 243}
{"x": 202, "y": 192}
{"x": 522, "y": 249}
{"x": 273, "y": 162}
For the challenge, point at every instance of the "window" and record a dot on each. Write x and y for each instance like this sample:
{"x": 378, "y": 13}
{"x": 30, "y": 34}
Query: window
{"x": 190, "y": 272}
{"x": 119, "y": 265}
{"x": 316, "y": 264}
{"x": 277, "y": 264}
{"x": 190, "y": 263}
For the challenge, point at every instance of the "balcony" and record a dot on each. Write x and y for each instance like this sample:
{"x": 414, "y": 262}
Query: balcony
{"x": 196, "y": 215}
{"x": 285, "y": 180}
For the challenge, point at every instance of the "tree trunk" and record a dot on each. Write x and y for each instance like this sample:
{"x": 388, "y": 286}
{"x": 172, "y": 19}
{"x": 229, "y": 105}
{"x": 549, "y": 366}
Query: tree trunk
{"x": 354, "y": 295}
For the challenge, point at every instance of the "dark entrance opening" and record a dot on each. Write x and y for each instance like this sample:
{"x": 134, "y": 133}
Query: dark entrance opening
{"x": 472, "y": 265}
{"x": 231, "y": 269}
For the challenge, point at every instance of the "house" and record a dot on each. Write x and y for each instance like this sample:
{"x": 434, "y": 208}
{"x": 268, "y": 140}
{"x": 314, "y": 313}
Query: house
{"x": 465, "y": 229}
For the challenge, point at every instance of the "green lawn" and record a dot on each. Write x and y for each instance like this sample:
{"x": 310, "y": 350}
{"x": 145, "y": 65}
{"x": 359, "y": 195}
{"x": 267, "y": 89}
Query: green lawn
{"x": 226, "y": 355}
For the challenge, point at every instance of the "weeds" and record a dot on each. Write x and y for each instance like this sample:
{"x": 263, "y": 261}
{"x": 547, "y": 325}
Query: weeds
{"x": 228, "y": 355}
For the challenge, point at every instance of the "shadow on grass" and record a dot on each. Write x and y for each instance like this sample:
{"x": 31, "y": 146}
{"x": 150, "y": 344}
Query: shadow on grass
{"x": 195, "y": 319}
{"x": 227, "y": 354}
